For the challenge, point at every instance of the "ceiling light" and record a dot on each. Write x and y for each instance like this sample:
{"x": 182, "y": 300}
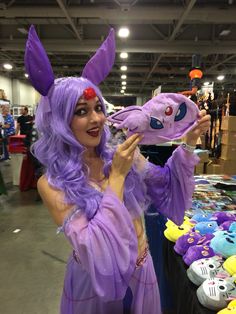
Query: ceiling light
{"x": 123, "y": 68}
{"x": 122, "y": 91}
{"x": 220, "y": 77}
{"x": 7, "y": 66}
{"x": 206, "y": 83}
{"x": 123, "y": 77}
{"x": 123, "y": 87}
{"x": 26, "y": 75}
{"x": 124, "y": 55}
{"x": 123, "y": 83}
{"x": 123, "y": 32}
{"x": 225, "y": 32}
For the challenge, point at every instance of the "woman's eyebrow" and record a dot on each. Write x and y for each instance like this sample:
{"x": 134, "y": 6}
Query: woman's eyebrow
{"x": 81, "y": 104}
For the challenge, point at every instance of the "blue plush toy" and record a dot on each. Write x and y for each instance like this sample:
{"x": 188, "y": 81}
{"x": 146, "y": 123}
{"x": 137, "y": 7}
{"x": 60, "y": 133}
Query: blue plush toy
{"x": 201, "y": 217}
{"x": 224, "y": 243}
{"x": 233, "y": 227}
{"x": 205, "y": 227}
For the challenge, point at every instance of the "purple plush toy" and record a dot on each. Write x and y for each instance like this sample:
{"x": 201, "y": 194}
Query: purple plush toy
{"x": 197, "y": 252}
{"x": 185, "y": 241}
{"x": 164, "y": 118}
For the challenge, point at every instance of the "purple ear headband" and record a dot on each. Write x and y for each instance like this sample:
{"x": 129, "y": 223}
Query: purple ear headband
{"x": 40, "y": 71}
{"x": 164, "y": 118}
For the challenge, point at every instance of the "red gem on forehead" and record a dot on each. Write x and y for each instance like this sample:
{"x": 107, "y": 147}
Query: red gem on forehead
{"x": 89, "y": 93}
{"x": 169, "y": 111}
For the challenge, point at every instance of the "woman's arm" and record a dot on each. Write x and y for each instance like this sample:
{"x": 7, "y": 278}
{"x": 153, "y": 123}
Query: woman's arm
{"x": 53, "y": 199}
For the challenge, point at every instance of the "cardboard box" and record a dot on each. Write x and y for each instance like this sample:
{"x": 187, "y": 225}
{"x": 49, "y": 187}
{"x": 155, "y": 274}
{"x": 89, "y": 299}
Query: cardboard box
{"x": 202, "y": 154}
{"x": 229, "y": 123}
{"x": 228, "y": 152}
{"x": 228, "y": 166}
{"x": 199, "y": 168}
{"x": 228, "y": 138}
{"x": 214, "y": 169}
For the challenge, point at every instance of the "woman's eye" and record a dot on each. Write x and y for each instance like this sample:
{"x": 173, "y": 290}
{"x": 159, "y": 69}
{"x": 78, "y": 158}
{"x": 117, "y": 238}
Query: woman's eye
{"x": 80, "y": 112}
{"x": 99, "y": 108}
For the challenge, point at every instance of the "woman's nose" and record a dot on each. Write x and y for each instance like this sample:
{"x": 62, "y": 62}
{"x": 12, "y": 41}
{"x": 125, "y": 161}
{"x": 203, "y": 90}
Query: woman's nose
{"x": 94, "y": 116}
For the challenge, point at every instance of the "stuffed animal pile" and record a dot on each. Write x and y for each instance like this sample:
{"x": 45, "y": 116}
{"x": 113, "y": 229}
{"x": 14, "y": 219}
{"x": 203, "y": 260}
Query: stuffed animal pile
{"x": 207, "y": 243}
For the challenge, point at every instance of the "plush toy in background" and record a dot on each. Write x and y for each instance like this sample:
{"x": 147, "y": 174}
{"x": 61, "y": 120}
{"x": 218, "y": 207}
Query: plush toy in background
{"x": 164, "y": 118}
{"x": 231, "y": 308}
{"x": 173, "y": 232}
{"x": 201, "y": 217}
{"x": 206, "y": 268}
{"x": 205, "y": 227}
{"x": 224, "y": 243}
{"x": 197, "y": 252}
{"x": 230, "y": 265}
{"x": 221, "y": 217}
{"x": 216, "y": 293}
{"x": 185, "y": 241}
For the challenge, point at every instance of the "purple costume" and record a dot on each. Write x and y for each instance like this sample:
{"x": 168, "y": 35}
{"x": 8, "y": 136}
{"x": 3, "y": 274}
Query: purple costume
{"x": 105, "y": 274}
{"x": 107, "y": 245}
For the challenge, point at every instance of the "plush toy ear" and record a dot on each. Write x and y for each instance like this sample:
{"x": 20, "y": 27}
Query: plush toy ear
{"x": 37, "y": 64}
{"x": 99, "y": 66}
{"x": 121, "y": 115}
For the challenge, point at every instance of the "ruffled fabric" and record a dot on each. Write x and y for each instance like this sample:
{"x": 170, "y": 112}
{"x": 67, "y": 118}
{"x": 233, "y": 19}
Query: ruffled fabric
{"x": 106, "y": 246}
{"x": 171, "y": 187}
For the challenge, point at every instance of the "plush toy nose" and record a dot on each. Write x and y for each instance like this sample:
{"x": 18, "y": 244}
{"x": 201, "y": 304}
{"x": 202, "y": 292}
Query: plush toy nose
{"x": 169, "y": 111}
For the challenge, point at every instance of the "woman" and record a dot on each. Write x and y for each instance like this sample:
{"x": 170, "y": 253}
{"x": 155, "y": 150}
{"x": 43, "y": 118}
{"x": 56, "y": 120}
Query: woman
{"x": 98, "y": 195}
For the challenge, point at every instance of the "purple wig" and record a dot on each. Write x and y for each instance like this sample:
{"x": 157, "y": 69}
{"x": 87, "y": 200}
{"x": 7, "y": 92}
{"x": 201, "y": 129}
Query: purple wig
{"x": 58, "y": 149}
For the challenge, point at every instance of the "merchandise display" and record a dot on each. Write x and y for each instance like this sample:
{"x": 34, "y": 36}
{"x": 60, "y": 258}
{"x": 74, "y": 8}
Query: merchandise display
{"x": 209, "y": 248}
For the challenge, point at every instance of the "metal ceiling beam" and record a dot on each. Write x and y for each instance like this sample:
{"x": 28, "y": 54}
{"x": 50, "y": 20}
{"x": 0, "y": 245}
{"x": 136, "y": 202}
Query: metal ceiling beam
{"x": 67, "y": 15}
{"x": 151, "y": 71}
{"x": 154, "y": 27}
{"x": 219, "y": 63}
{"x": 132, "y": 46}
{"x": 160, "y": 14}
{"x": 182, "y": 19}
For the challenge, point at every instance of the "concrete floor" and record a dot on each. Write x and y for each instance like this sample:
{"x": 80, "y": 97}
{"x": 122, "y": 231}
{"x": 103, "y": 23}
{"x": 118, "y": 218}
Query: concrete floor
{"x": 32, "y": 261}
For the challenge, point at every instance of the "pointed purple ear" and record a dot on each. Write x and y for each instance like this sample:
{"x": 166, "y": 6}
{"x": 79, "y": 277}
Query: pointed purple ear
{"x": 37, "y": 64}
{"x": 121, "y": 115}
{"x": 99, "y": 66}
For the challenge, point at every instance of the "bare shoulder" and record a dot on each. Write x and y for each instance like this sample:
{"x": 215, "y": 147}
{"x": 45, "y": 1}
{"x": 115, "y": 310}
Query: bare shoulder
{"x": 53, "y": 199}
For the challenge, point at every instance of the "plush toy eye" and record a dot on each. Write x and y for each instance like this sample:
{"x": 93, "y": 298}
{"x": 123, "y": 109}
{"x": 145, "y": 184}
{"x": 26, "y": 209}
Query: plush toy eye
{"x": 181, "y": 112}
{"x": 222, "y": 288}
{"x": 209, "y": 225}
{"x": 156, "y": 124}
{"x": 211, "y": 266}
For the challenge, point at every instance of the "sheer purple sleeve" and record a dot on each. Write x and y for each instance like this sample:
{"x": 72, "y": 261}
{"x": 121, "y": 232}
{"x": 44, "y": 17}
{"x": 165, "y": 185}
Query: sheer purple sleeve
{"x": 106, "y": 246}
{"x": 171, "y": 187}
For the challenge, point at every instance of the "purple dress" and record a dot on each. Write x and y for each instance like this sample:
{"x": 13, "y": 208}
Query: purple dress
{"x": 102, "y": 269}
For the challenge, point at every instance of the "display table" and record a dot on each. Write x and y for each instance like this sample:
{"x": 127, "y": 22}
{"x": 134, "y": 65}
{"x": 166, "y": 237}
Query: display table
{"x": 182, "y": 289}
{"x": 219, "y": 195}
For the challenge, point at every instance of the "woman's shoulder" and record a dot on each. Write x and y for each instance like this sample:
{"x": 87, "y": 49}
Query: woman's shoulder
{"x": 53, "y": 199}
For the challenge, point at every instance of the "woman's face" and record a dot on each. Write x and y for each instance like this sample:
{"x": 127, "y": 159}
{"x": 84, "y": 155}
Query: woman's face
{"x": 88, "y": 122}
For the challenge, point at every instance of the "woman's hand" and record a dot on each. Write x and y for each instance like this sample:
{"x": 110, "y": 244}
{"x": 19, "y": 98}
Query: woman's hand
{"x": 203, "y": 125}
{"x": 121, "y": 164}
{"x": 123, "y": 157}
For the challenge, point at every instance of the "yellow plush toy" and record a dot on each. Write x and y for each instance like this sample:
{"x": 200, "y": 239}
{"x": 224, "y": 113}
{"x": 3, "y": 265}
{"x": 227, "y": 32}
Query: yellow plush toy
{"x": 173, "y": 232}
{"x": 230, "y": 265}
{"x": 231, "y": 308}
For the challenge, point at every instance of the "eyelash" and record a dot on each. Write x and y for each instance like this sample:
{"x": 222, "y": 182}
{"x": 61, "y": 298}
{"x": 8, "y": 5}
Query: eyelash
{"x": 80, "y": 111}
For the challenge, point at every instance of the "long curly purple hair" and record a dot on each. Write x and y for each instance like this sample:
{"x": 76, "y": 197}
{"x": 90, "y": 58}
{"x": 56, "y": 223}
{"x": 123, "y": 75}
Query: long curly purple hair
{"x": 61, "y": 153}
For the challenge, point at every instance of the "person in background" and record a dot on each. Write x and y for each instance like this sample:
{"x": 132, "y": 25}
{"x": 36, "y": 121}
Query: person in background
{"x": 8, "y": 128}
{"x": 24, "y": 124}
